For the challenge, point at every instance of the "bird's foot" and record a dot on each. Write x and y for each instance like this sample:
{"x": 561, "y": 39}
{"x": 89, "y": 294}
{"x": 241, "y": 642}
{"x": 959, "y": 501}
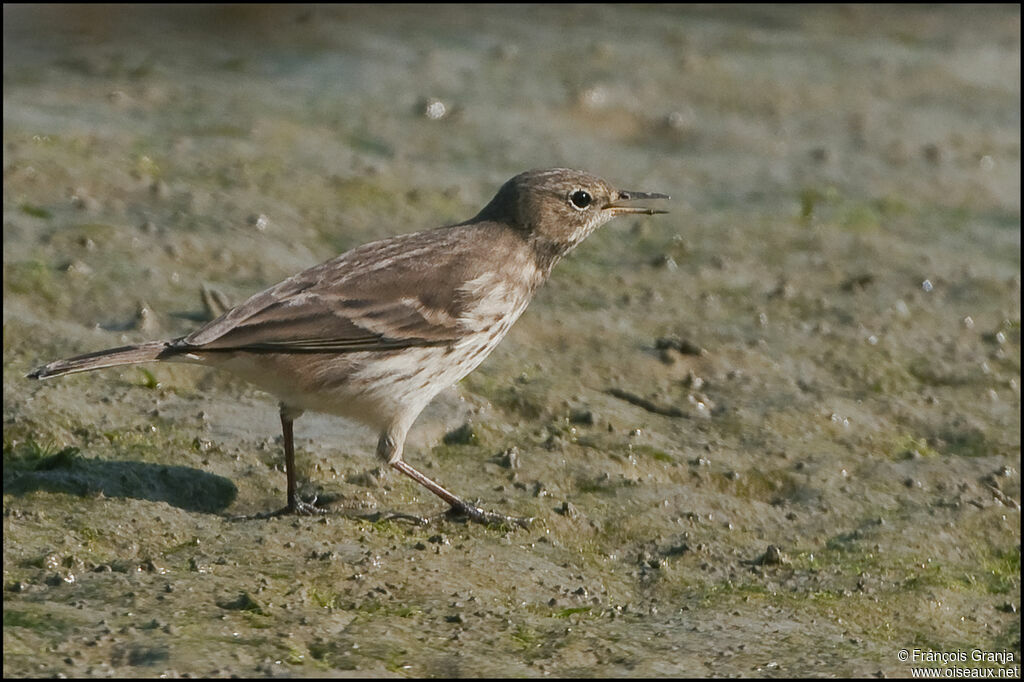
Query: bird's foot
{"x": 401, "y": 516}
{"x": 297, "y": 507}
{"x": 478, "y": 515}
{"x": 464, "y": 510}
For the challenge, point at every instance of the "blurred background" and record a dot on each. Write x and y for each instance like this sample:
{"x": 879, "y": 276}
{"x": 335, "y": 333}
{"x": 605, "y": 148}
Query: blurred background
{"x": 775, "y": 432}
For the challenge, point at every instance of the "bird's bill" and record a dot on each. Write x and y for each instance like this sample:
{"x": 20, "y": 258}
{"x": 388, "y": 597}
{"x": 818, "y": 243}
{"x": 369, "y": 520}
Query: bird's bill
{"x": 620, "y": 207}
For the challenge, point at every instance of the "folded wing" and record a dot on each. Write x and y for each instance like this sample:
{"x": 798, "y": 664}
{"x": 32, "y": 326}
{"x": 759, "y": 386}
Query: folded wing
{"x": 382, "y": 296}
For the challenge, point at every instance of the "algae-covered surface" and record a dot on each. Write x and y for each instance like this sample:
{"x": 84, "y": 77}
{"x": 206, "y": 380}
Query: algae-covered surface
{"x": 773, "y": 433}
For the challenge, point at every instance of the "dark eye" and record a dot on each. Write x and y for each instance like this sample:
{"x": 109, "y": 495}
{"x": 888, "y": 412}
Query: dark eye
{"x": 580, "y": 199}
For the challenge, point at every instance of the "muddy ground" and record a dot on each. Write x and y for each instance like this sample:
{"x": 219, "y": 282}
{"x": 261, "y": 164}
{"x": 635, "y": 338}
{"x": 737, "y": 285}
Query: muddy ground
{"x": 773, "y": 433}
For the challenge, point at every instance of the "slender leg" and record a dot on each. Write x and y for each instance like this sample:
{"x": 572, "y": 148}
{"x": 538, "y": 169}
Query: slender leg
{"x": 295, "y": 505}
{"x": 387, "y": 446}
{"x": 289, "y": 458}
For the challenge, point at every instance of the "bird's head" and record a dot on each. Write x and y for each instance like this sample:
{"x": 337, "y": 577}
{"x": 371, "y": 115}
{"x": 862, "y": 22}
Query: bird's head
{"x": 559, "y": 207}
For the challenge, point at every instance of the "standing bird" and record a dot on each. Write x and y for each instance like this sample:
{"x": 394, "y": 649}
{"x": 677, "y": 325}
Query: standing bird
{"x": 375, "y": 333}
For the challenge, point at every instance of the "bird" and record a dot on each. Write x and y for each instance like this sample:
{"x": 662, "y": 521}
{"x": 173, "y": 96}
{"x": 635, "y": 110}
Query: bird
{"x": 375, "y": 333}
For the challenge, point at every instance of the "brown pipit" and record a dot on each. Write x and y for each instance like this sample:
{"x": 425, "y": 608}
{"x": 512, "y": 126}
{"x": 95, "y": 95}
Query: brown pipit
{"x": 375, "y": 333}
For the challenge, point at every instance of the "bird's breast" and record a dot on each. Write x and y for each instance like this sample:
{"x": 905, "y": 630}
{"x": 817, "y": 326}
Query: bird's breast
{"x": 495, "y": 297}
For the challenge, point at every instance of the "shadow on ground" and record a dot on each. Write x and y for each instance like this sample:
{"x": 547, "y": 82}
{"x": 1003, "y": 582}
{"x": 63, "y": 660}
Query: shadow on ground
{"x": 69, "y": 472}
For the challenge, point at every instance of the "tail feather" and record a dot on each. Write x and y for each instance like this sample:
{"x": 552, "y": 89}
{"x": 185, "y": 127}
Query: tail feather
{"x": 125, "y": 355}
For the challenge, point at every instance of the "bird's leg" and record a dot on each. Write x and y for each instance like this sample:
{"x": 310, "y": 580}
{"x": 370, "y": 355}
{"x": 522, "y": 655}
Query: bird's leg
{"x": 390, "y": 448}
{"x": 295, "y": 505}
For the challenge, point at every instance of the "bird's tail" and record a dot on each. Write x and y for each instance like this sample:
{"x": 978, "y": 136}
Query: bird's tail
{"x": 125, "y": 355}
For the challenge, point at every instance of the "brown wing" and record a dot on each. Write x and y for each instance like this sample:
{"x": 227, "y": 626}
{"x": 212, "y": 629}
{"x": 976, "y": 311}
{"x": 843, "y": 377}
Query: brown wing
{"x": 386, "y": 295}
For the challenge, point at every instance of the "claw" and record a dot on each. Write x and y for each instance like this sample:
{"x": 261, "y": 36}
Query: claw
{"x": 467, "y": 511}
{"x": 478, "y": 515}
{"x": 297, "y": 507}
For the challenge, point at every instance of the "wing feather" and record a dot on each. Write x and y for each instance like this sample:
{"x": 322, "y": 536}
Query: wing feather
{"x": 386, "y": 295}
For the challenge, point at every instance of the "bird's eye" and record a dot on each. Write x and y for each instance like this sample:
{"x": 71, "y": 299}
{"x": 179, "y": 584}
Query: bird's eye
{"x": 580, "y": 199}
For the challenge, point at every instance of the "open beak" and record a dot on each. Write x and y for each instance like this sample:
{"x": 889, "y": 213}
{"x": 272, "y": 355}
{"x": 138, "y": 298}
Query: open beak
{"x": 619, "y": 207}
